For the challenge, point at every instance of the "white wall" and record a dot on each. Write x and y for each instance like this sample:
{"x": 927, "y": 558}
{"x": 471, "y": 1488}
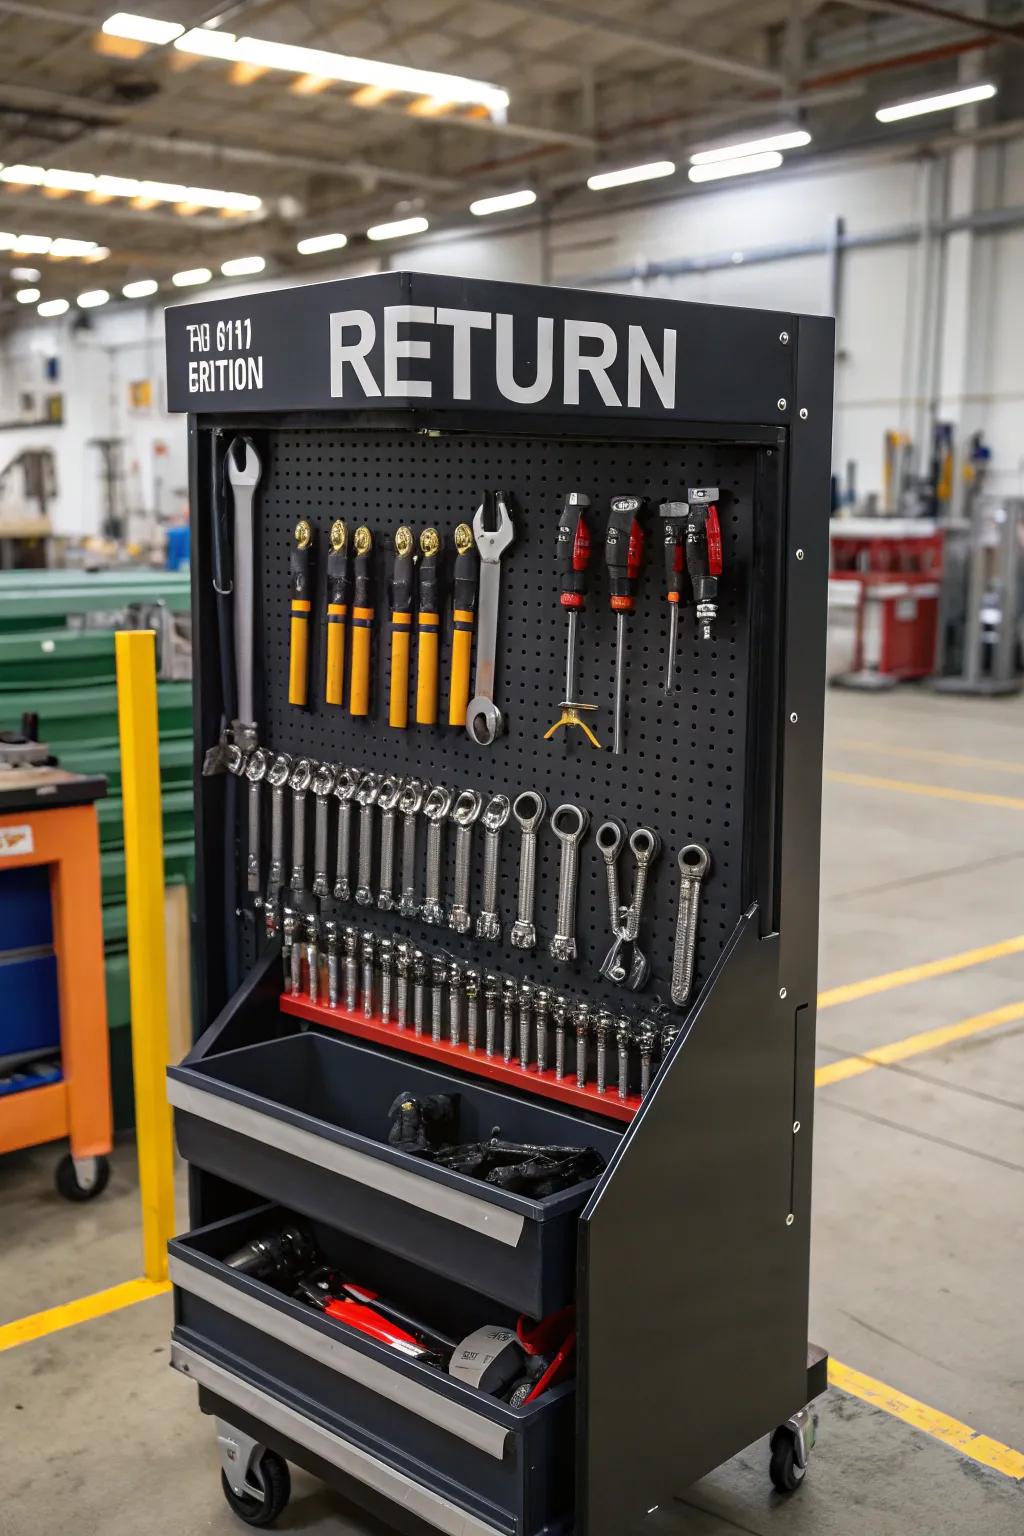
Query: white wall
{"x": 880, "y": 321}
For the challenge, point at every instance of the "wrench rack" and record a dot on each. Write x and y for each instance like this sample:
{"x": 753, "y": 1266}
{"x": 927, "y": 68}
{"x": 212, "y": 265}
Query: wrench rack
{"x": 704, "y": 1206}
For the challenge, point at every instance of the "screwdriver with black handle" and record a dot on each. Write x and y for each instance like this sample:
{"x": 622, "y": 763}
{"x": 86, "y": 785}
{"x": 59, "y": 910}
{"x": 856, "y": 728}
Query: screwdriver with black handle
{"x": 464, "y": 585}
{"x": 704, "y": 554}
{"x": 401, "y": 628}
{"x": 339, "y": 590}
{"x": 301, "y": 604}
{"x": 362, "y": 623}
{"x": 572, "y": 551}
{"x": 623, "y": 555}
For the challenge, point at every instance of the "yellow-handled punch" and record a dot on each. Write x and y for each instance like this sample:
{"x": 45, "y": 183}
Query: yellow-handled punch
{"x": 301, "y": 589}
{"x": 401, "y": 628}
{"x": 463, "y": 612}
{"x": 338, "y": 593}
{"x": 428, "y": 627}
{"x": 362, "y": 623}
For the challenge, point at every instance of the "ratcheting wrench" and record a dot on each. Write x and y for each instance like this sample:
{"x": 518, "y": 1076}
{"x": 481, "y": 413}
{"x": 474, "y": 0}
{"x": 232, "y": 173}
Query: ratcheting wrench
{"x": 569, "y": 823}
{"x": 694, "y": 862}
{"x": 243, "y": 474}
{"x": 484, "y": 720}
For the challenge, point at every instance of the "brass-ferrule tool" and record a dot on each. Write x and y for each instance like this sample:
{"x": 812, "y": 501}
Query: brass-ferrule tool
{"x": 301, "y": 589}
{"x": 401, "y": 627}
{"x": 362, "y": 623}
{"x": 464, "y": 586}
{"x": 339, "y": 591}
{"x": 428, "y": 627}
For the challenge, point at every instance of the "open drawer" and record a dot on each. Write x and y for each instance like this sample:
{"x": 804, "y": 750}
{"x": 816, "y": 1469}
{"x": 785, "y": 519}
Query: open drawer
{"x": 462, "y": 1460}
{"x": 304, "y": 1121}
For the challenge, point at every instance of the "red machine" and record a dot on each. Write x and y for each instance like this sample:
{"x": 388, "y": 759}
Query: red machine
{"x": 889, "y": 570}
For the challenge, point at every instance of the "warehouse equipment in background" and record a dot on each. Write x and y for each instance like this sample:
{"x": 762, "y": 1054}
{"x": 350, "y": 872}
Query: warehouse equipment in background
{"x": 980, "y": 641}
{"x": 888, "y": 571}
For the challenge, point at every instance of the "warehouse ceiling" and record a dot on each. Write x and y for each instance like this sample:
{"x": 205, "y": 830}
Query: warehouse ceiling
{"x": 241, "y": 157}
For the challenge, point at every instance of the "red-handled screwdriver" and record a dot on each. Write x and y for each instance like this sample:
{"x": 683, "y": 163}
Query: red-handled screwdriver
{"x": 704, "y": 553}
{"x": 623, "y": 555}
{"x": 573, "y": 553}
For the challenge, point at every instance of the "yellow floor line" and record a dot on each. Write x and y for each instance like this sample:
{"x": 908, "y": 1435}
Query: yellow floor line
{"x": 916, "y": 1045}
{"x": 980, "y": 1448}
{"x": 932, "y": 791}
{"x": 928, "y": 755}
{"x": 99, "y": 1304}
{"x": 854, "y": 990}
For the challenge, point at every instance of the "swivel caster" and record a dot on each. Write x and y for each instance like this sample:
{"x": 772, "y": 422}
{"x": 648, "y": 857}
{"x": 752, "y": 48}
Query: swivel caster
{"x": 790, "y": 1446}
{"x": 81, "y": 1178}
{"x": 256, "y": 1481}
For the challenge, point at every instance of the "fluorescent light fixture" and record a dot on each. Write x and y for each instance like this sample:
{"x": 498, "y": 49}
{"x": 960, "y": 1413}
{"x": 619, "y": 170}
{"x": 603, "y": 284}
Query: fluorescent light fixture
{"x": 317, "y": 243}
{"x": 945, "y": 101}
{"x": 397, "y": 227}
{"x": 63, "y": 246}
{"x": 25, "y": 274}
{"x": 92, "y": 299}
{"x": 23, "y": 175}
{"x": 503, "y": 203}
{"x": 7, "y": 240}
{"x": 32, "y": 245}
{"x": 142, "y": 29}
{"x": 129, "y": 186}
{"x": 209, "y": 43}
{"x": 70, "y": 181}
{"x": 27, "y": 295}
{"x": 141, "y": 289}
{"x": 747, "y": 165}
{"x": 243, "y": 266}
{"x": 117, "y": 186}
{"x": 98, "y": 253}
{"x": 630, "y": 173}
{"x": 795, "y": 139}
{"x": 192, "y": 277}
{"x": 50, "y": 307}
{"x": 163, "y": 191}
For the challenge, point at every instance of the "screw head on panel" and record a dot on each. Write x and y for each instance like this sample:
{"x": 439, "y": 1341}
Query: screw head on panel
{"x": 799, "y": 554}
{"x": 782, "y": 992}
{"x": 782, "y": 403}
{"x": 794, "y": 717}
{"x": 804, "y": 413}
{"x": 790, "y": 1219}
{"x": 784, "y": 338}
{"x": 796, "y": 1127}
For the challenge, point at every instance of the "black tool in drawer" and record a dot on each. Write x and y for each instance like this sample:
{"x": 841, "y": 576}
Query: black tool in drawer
{"x": 511, "y": 1468}
{"x": 304, "y": 1121}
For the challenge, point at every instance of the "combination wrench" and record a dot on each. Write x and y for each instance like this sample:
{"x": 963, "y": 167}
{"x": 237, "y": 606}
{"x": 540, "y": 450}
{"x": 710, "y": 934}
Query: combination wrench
{"x": 410, "y": 803}
{"x": 255, "y": 772}
{"x": 495, "y": 814}
{"x": 569, "y": 823}
{"x": 387, "y": 803}
{"x": 345, "y": 787}
{"x": 484, "y": 721}
{"x": 301, "y": 777}
{"x": 278, "y": 775}
{"x": 243, "y": 477}
{"x": 322, "y": 787}
{"x": 694, "y": 862}
{"x": 529, "y": 810}
{"x": 366, "y": 794}
{"x": 645, "y": 845}
{"x": 465, "y": 814}
{"x": 435, "y": 808}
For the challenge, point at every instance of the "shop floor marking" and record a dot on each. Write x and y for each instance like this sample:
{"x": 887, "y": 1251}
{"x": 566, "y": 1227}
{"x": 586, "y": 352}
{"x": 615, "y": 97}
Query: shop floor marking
{"x": 929, "y": 755}
{"x": 932, "y": 791}
{"x": 26, "y": 1329}
{"x": 916, "y": 1045}
{"x": 872, "y": 985}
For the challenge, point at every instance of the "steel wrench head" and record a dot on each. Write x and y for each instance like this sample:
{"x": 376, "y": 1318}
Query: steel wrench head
{"x": 484, "y": 720}
{"x": 323, "y": 780}
{"x": 467, "y": 807}
{"x": 389, "y": 793}
{"x": 410, "y": 801}
{"x": 346, "y": 784}
{"x": 234, "y": 760}
{"x": 694, "y": 861}
{"x": 243, "y": 463}
{"x": 369, "y": 787}
{"x": 438, "y": 803}
{"x": 569, "y": 823}
{"x": 610, "y": 836}
{"x": 492, "y": 543}
{"x": 645, "y": 845}
{"x": 257, "y": 766}
{"x": 529, "y": 809}
{"x": 301, "y": 775}
{"x": 496, "y": 813}
{"x": 279, "y": 771}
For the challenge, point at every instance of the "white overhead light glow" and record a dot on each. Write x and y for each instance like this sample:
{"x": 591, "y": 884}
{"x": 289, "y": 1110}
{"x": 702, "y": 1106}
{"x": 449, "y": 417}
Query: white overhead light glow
{"x": 192, "y": 277}
{"x": 142, "y": 29}
{"x": 27, "y": 295}
{"x": 397, "y": 227}
{"x": 92, "y": 299}
{"x": 945, "y": 101}
{"x": 503, "y": 202}
{"x": 128, "y": 186}
{"x": 69, "y": 181}
{"x": 32, "y": 245}
{"x": 23, "y": 175}
{"x": 25, "y": 274}
{"x": 65, "y": 247}
{"x": 243, "y": 266}
{"x": 797, "y": 138}
{"x": 630, "y": 173}
{"x": 317, "y": 243}
{"x": 141, "y": 289}
{"x": 50, "y": 307}
{"x": 117, "y": 186}
{"x": 748, "y": 165}
{"x": 208, "y": 42}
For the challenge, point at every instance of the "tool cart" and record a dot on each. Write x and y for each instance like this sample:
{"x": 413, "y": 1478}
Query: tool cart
{"x": 509, "y": 615}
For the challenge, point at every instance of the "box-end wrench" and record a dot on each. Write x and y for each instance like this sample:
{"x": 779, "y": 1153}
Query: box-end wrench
{"x": 484, "y": 721}
{"x": 465, "y": 814}
{"x": 410, "y": 803}
{"x": 345, "y": 787}
{"x": 569, "y": 823}
{"x": 610, "y": 838}
{"x": 366, "y": 794}
{"x": 495, "y": 814}
{"x": 529, "y": 810}
{"x": 387, "y": 804}
{"x": 301, "y": 777}
{"x": 694, "y": 862}
{"x": 645, "y": 846}
{"x": 436, "y": 807}
{"x": 278, "y": 775}
{"x": 322, "y": 787}
{"x": 243, "y": 470}
{"x": 255, "y": 772}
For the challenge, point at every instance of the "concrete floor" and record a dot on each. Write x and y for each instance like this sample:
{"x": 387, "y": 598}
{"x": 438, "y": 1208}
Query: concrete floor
{"x": 918, "y": 1207}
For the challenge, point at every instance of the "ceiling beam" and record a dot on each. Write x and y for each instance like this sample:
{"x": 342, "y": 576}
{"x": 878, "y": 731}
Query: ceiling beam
{"x": 657, "y": 42}
{"x": 1005, "y": 33}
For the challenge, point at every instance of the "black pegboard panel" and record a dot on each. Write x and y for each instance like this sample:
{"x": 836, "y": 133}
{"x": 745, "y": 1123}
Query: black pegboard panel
{"x": 684, "y": 769}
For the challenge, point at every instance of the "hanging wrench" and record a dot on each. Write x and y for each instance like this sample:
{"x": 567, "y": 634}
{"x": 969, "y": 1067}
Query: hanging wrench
{"x": 255, "y": 772}
{"x": 529, "y": 810}
{"x": 366, "y": 794}
{"x": 569, "y": 823}
{"x": 694, "y": 863}
{"x": 645, "y": 846}
{"x": 277, "y": 777}
{"x": 610, "y": 838}
{"x": 484, "y": 720}
{"x": 465, "y": 813}
{"x": 299, "y": 783}
{"x": 410, "y": 803}
{"x": 345, "y": 787}
{"x": 387, "y": 804}
{"x": 435, "y": 808}
{"x": 322, "y": 786}
{"x": 243, "y": 477}
{"x": 495, "y": 815}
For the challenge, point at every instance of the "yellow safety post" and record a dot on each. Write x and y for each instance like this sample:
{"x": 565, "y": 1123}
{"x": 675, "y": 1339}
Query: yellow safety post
{"x": 147, "y": 954}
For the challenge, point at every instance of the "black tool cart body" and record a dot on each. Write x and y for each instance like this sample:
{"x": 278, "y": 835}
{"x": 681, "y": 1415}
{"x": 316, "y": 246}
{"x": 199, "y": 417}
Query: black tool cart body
{"x": 411, "y": 400}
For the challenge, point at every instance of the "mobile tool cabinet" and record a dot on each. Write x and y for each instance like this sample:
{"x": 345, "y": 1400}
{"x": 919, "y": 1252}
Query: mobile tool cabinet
{"x": 409, "y": 399}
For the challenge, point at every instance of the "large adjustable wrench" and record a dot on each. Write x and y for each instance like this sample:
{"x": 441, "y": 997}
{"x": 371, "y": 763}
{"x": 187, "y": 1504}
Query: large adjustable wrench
{"x": 243, "y": 473}
{"x": 483, "y": 718}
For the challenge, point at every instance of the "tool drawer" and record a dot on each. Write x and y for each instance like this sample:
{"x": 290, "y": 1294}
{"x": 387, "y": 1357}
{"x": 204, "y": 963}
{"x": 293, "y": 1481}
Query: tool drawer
{"x": 464, "y": 1452}
{"x": 304, "y": 1120}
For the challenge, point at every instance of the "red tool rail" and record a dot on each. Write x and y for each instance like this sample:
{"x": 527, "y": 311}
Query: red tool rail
{"x": 545, "y": 1084}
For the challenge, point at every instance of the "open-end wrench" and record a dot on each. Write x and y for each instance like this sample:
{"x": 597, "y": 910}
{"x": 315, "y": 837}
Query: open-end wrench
{"x": 465, "y": 813}
{"x": 387, "y": 804}
{"x": 366, "y": 794}
{"x": 322, "y": 787}
{"x": 278, "y": 775}
{"x": 694, "y": 863}
{"x": 345, "y": 787}
{"x": 484, "y": 720}
{"x": 255, "y": 772}
{"x": 410, "y": 803}
{"x": 243, "y": 469}
{"x": 299, "y": 782}
{"x": 645, "y": 845}
{"x": 569, "y": 823}
{"x": 529, "y": 810}
{"x": 495, "y": 814}
{"x": 435, "y": 808}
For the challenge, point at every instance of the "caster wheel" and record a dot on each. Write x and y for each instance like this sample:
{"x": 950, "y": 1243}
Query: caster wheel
{"x": 273, "y": 1477}
{"x": 71, "y": 1187}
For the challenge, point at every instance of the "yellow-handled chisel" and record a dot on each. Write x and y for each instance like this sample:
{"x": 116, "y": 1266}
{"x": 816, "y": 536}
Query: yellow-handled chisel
{"x": 401, "y": 628}
{"x": 301, "y": 589}
{"x": 428, "y": 624}
{"x": 464, "y": 586}
{"x": 338, "y": 593}
{"x": 362, "y": 623}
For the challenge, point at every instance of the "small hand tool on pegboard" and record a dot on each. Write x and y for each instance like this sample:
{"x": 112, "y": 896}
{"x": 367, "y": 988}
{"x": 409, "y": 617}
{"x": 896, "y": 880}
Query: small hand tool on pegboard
{"x": 301, "y": 591}
{"x": 339, "y": 591}
{"x": 573, "y": 552}
{"x": 463, "y": 612}
{"x": 623, "y": 555}
{"x": 428, "y": 627}
{"x": 362, "y": 623}
{"x": 704, "y": 554}
{"x": 401, "y": 626}
{"x": 674, "y": 515}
